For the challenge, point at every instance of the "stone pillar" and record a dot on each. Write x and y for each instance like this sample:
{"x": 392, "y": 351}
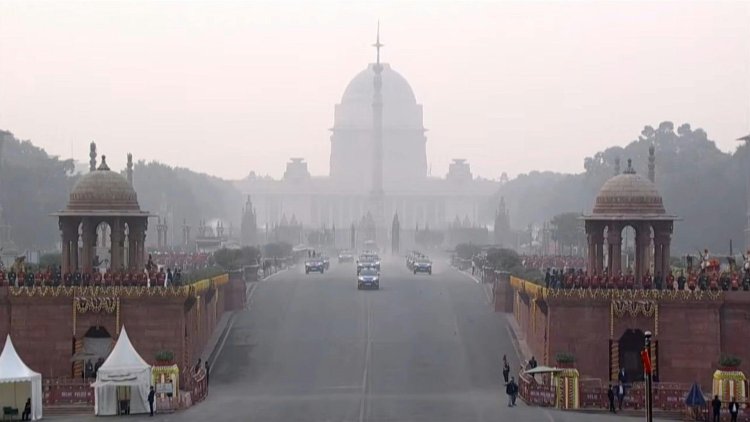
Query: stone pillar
{"x": 68, "y": 233}
{"x": 74, "y": 265}
{"x": 642, "y": 244}
{"x": 598, "y": 239}
{"x": 88, "y": 236}
{"x": 117, "y": 238}
{"x": 591, "y": 264}
{"x": 614, "y": 239}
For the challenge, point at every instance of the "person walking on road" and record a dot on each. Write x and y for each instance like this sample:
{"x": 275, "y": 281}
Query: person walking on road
{"x": 511, "y": 389}
{"x": 506, "y": 371}
{"x": 611, "y": 397}
{"x": 716, "y": 405}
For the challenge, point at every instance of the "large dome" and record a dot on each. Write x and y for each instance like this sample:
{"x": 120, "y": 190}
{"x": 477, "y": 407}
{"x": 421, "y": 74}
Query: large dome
{"x": 628, "y": 193}
{"x": 395, "y": 87}
{"x": 103, "y": 190}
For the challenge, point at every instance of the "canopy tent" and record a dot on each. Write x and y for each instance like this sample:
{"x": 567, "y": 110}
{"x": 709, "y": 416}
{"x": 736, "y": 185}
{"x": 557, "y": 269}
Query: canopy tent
{"x": 123, "y": 368}
{"x": 19, "y": 383}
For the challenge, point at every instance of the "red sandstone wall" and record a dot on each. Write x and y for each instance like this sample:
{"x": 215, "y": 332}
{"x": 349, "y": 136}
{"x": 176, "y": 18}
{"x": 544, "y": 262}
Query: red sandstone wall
{"x": 534, "y": 326}
{"x": 735, "y": 327}
{"x": 582, "y": 331}
{"x": 42, "y": 327}
{"x": 689, "y": 342}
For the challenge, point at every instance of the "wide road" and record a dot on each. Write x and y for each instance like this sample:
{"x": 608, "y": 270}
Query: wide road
{"x": 314, "y": 348}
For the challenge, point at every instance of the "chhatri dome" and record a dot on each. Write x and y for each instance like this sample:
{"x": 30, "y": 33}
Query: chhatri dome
{"x": 628, "y": 194}
{"x": 103, "y": 190}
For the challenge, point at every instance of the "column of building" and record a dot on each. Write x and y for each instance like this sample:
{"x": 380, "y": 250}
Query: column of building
{"x": 88, "y": 238}
{"x": 614, "y": 251}
{"x": 117, "y": 237}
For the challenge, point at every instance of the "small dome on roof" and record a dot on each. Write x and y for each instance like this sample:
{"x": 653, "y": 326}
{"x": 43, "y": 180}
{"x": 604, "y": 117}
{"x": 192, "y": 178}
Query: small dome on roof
{"x": 103, "y": 190}
{"x": 628, "y": 193}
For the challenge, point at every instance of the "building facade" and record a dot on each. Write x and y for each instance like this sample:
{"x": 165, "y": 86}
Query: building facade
{"x": 344, "y": 196}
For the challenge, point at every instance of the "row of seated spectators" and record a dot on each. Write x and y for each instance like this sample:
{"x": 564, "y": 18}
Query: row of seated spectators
{"x": 539, "y": 262}
{"x": 117, "y": 278}
{"x": 695, "y": 280}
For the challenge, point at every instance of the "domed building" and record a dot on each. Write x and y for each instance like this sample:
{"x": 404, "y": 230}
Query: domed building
{"x": 378, "y": 164}
{"x": 629, "y": 200}
{"x": 404, "y": 142}
{"x": 103, "y": 203}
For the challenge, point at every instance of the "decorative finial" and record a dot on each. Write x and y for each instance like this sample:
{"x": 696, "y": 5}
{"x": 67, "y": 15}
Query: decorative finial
{"x": 630, "y": 169}
{"x": 378, "y": 45}
{"x": 92, "y": 156}
{"x": 130, "y": 168}
{"x": 651, "y": 164}
{"x": 103, "y": 165}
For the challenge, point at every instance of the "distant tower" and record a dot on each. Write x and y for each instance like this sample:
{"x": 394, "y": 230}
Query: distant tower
{"x": 651, "y": 164}
{"x": 353, "y": 238}
{"x": 617, "y": 166}
{"x": 502, "y": 224}
{"x": 185, "y": 233}
{"x": 130, "y": 168}
{"x": 377, "y": 131}
{"x": 249, "y": 226}
{"x": 395, "y": 230}
{"x": 92, "y": 156}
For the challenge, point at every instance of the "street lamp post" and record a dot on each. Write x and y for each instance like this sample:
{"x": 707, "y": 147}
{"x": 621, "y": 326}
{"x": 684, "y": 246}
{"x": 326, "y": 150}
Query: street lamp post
{"x": 649, "y": 376}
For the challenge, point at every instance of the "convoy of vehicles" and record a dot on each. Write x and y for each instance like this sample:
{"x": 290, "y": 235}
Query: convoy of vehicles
{"x": 368, "y": 266}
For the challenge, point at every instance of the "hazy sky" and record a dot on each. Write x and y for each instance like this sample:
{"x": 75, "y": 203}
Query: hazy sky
{"x": 230, "y": 87}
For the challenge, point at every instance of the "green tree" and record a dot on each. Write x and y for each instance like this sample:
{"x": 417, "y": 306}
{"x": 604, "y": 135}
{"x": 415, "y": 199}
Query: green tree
{"x": 567, "y": 230}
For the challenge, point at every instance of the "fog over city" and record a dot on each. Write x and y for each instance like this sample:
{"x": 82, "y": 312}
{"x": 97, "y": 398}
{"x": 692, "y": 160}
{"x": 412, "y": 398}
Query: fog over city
{"x": 356, "y": 211}
{"x": 227, "y": 88}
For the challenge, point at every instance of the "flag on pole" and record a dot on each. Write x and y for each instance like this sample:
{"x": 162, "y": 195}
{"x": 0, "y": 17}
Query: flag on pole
{"x": 646, "y": 359}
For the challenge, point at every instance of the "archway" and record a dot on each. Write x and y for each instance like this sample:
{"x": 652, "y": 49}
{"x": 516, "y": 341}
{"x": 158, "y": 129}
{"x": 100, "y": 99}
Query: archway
{"x": 90, "y": 351}
{"x": 103, "y": 251}
{"x": 628, "y": 249}
{"x": 630, "y": 345}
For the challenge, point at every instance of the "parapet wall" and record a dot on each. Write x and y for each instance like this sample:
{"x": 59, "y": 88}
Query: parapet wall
{"x": 692, "y": 329}
{"x": 48, "y": 324}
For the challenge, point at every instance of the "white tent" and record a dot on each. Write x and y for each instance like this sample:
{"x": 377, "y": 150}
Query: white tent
{"x": 123, "y": 368}
{"x": 19, "y": 383}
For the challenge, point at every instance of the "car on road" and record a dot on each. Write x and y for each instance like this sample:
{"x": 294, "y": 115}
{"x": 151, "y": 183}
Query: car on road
{"x": 345, "y": 256}
{"x": 368, "y": 260}
{"x": 422, "y": 265}
{"x": 314, "y": 265}
{"x": 368, "y": 278}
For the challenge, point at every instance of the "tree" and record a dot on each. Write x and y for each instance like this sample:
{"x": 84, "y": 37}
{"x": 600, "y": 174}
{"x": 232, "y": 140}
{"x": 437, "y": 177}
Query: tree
{"x": 567, "y": 230}
{"x": 467, "y": 250}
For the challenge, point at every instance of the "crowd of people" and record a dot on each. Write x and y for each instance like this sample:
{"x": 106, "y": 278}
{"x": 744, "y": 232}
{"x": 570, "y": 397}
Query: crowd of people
{"x": 151, "y": 276}
{"x": 703, "y": 279}
{"x": 540, "y": 262}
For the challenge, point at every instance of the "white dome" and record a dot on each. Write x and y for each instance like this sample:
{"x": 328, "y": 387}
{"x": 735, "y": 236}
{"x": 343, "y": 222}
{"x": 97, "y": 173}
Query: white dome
{"x": 395, "y": 87}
